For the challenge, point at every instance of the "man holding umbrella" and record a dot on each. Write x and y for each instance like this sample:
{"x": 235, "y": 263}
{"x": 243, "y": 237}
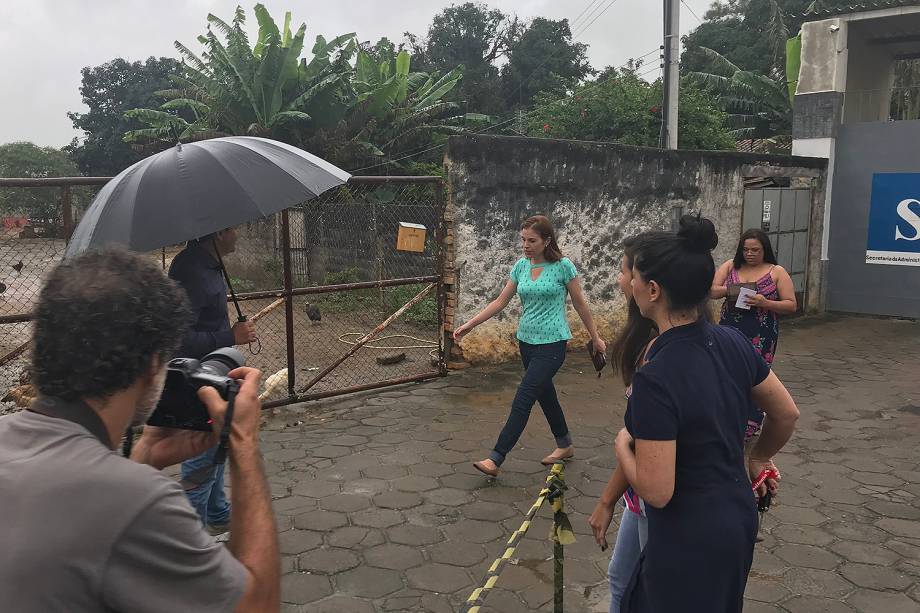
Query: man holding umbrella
{"x": 197, "y": 269}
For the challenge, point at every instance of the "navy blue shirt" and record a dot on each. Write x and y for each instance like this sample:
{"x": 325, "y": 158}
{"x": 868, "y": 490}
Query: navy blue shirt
{"x": 696, "y": 390}
{"x": 199, "y": 274}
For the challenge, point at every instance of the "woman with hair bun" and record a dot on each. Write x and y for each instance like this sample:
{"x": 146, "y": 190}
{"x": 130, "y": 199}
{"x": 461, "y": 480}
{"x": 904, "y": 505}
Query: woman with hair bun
{"x": 682, "y": 449}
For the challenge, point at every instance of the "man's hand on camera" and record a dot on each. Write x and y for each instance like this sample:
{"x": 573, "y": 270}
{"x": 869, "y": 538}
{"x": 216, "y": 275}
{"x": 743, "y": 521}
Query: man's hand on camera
{"x": 247, "y": 410}
{"x": 244, "y": 332}
{"x": 163, "y": 447}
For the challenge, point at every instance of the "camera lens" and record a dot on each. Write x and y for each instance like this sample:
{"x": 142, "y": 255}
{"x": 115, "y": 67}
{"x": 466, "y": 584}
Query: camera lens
{"x": 222, "y": 361}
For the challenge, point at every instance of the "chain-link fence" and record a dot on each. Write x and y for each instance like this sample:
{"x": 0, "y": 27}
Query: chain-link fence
{"x": 315, "y": 279}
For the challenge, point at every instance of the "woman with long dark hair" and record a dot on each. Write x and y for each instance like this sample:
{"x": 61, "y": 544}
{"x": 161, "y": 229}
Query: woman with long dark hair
{"x": 543, "y": 278}
{"x": 754, "y": 266}
{"x": 682, "y": 449}
{"x": 627, "y": 355}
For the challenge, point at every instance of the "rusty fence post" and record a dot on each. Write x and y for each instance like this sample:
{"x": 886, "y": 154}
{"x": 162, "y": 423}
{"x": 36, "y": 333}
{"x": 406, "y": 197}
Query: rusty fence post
{"x": 444, "y": 338}
{"x": 288, "y": 300}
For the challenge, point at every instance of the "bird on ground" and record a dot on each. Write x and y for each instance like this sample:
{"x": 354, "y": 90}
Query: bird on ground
{"x": 312, "y": 312}
{"x": 18, "y": 267}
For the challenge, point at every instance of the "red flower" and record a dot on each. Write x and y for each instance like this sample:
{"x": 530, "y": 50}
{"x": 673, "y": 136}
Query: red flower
{"x": 546, "y": 127}
{"x": 654, "y": 110}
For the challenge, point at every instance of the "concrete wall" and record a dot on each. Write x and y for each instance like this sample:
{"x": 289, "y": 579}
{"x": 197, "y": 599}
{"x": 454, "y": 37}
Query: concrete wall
{"x": 597, "y": 195}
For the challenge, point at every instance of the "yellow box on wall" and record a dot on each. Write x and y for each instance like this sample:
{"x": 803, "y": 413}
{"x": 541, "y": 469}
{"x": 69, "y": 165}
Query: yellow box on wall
{"x": 411, "y": 237}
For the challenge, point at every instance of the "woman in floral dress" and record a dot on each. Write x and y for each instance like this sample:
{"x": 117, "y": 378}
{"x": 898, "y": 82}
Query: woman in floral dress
{"x": 754, "y": 266}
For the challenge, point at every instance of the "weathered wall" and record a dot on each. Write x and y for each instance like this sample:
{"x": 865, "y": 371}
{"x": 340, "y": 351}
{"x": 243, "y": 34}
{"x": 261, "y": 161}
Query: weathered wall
{"x": 597, "y": 194}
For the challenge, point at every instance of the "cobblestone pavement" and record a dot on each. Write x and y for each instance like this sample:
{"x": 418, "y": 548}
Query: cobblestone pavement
{"x": 379, "y": 508}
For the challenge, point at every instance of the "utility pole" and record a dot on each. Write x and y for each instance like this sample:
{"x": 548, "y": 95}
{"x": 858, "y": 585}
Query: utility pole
{"x": 671, "y": 81}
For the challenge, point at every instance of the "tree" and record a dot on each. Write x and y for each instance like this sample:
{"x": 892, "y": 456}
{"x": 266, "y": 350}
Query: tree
{"x": 544, "y": 59}
{"x": 475, "y": 37}
{"x": 236, "y": 88}
{"x": 757, "y": 106}
{"x": 109, "y": 90}
{"x": 28, "y": 160}
{"x": 625, "y": 109}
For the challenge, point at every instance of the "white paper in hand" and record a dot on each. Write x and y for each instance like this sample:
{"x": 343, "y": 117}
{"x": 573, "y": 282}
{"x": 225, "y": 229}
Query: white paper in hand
{"x": 743, "y": 294}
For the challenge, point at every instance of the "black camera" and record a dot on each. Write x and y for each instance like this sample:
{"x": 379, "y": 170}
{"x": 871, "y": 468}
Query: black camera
{"x": 179, "y": 406}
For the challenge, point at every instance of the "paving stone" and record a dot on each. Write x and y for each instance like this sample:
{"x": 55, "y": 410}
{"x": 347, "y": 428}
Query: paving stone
{"x": 355, "y": 537}
{"x": 369, "y": 582}
{"x": 285, "y": 455}
{"x": 294, "y": 542}
{"x": 867, "y": 478}
{"x": 803, "y": 535}
{"x": 322, "y": 521}
{"x": 448, "y": 496}
{"x": 807, "y": 556}
{"x": 765, "y": 589}
{"x": 397, "y": 500}
{"x": 869, "y": 601}
{"x": 439, "y": 578}
{"x": 458, "y": 553}
{"x": 328, "y": 561}
{"x": 797, "y": 515}
{"x": 346, "y": 503}
{"x": 316, "y": 488}
{"x": 342, "y": 604}
{"x": 488, "y": 511}
{"x": 414, "y": 535}
{"x": 813, "y": 604}
{"x": 432, "y": 469}
{"x": 865, "y": 553}
{"x": 394, "y": 557}
{"x": 377, "y": 518}
{"x": 415, "y": 484}
{"x": 330, "y": 451}
{"x": 385, "y": 471}
{"x": 474, "y": 531}
{"x": 875, "y": 577}
{"x": 304, "y": 588}
{"x": 894, "y": 509}
{"x": 900, "y": 527}
{"x": 812, "y": 582}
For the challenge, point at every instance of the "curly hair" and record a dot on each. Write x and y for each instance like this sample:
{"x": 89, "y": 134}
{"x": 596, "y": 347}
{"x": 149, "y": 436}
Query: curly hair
{"x": 101, "y": 318}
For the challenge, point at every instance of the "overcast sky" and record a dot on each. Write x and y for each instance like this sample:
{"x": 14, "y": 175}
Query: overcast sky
{"x": 45, "y": 43}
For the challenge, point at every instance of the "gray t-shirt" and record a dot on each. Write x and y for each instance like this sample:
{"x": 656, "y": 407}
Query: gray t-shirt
{"x": 83, "y": 529}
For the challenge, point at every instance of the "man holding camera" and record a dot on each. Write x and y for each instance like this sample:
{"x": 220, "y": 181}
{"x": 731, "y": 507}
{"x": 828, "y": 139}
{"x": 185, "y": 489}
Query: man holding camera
{"x": 85, "y": 529}
{"x": 198, "y": 270}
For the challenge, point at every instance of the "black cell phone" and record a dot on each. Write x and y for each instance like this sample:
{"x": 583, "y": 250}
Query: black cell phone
{"x": 597, "y": 357}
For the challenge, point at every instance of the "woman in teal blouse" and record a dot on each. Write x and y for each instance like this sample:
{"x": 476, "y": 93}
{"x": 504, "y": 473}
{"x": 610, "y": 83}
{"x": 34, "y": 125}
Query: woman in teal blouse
{"x": 542, "y": 278}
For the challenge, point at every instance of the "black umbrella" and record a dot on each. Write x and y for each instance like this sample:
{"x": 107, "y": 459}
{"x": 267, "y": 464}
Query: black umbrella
{"x": 196, "y": 189}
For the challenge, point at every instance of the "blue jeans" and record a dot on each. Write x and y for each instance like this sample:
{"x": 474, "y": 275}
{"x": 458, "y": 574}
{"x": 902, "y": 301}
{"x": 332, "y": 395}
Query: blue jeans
{"x": 208, "y": 499}
{"x": 631, "y": 539}
{"x": 541, "y": 363}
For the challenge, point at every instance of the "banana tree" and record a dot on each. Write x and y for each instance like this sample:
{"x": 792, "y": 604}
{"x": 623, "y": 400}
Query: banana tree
{"x": 757, "y": 106}
{"x": 262, "y": 90}
{"x": 396, "y": 110}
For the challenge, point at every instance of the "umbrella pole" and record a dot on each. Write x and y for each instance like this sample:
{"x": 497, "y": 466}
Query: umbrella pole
{"x": 223, "y": 269}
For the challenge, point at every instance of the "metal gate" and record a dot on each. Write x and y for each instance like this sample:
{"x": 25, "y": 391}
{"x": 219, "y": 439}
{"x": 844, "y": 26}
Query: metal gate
{"x": 333, "y": 299}
{"x": 783, "y": 213}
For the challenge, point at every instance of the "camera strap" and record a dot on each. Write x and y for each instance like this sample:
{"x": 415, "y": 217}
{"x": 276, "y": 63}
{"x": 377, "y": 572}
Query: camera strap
{"x": 205, "y": 473}
{"x": 75, "y": 411}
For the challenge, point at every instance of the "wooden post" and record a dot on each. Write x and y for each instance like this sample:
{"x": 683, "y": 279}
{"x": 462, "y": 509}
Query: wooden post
{"x": 288, "y": 300}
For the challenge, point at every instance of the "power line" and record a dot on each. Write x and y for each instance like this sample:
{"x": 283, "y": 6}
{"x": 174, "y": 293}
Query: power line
{"x": 692, "y": 12}
{"x": 585, "y": 10}
{"x": 596, "y": 17}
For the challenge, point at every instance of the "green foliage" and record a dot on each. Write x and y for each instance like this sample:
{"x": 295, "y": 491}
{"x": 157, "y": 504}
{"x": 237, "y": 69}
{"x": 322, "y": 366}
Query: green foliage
{"x": 349, "y": 104}
{"x": 473, "y": 36}
{"x": 757, "y": 106}
{"x": 424, "y": 314}
{"x": 40, "y": 203}
{"x": 544, "y": 60}
{"x": 625, "y": 109}
{"x": 109, "y": 91}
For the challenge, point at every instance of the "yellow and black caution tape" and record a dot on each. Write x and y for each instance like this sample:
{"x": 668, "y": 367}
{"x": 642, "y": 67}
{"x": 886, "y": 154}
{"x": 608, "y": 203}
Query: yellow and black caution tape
{"x": 561, "y": 534}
